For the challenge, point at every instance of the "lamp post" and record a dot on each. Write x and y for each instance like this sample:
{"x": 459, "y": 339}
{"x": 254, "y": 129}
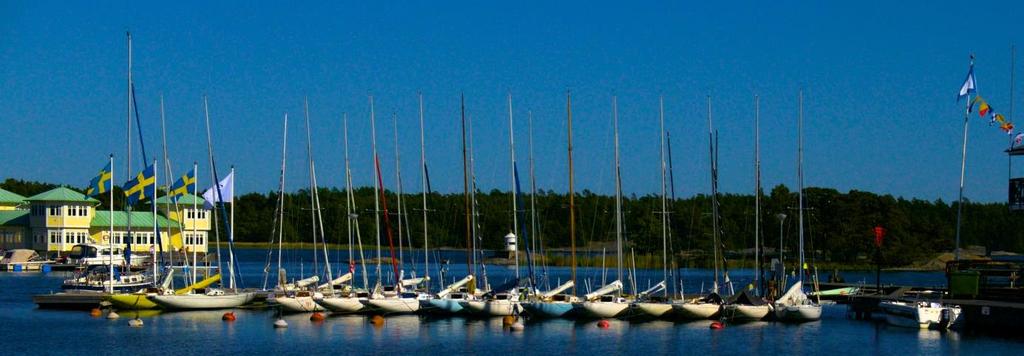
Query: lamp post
{"x": 782, "y": 271}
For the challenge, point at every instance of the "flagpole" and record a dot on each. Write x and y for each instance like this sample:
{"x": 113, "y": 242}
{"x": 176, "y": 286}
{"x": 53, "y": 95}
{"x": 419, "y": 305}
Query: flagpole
{"x": 110, "y": 206}
{"x": 156, "y": 228}
{"x": 195, "y": 214}
{"x": 963, "y": 166}
{"x": 231, "y": 233}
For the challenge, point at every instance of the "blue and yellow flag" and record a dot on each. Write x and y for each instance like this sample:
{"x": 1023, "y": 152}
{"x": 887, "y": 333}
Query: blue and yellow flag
{"x": 142, "y": 187}
{"x": 101, "y": 184}
{"x": 184, "y": 185}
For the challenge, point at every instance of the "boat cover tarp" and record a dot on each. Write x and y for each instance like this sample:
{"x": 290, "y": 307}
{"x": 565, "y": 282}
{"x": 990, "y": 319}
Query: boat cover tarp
{"x": 508, "y": 286}
{"x": 746, "y": 298}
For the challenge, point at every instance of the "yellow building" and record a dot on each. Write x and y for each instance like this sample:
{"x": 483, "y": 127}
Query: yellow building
{"x": 60, "y": 218}
{"x": 195, "y": 221}
{"x": 13, "y": 220}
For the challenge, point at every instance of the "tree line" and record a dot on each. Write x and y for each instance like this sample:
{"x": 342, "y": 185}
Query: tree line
{"x": 838, "y": 226}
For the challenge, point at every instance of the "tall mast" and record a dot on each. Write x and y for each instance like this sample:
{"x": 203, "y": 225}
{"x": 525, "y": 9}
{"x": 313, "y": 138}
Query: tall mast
{"x": 376, "y": 186}
{"x": 618, "y": 190}
{"x": 470, "y": 268}
{"x": 167, "y": 170}
{"x": 353, "y": 218}
{"x": 280, "y": 200}
{"x": 213, "y": 174}
{"x": 128, "y": 161}
{"x": 426, "y": 187}
{"x": 128, "y": 138}
{"x": 534, "y": 238}
{"x": 800, "y": 176}
{"x": 757, "y": 193}
{"x": 312, "y": 184}
{"x": 512, "y": 191}
{"x": 398, "y": 187}
{"x": 664, "y": 202}
{"x": 714, "y": 194}
{"x": 572, "y": 193}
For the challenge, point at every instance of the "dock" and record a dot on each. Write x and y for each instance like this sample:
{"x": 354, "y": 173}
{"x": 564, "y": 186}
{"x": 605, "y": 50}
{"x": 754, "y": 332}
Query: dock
{"x": 70, "y": 300}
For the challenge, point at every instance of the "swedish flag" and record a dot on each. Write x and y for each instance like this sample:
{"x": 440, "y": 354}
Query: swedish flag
{"x": 142, "y": 187}
{"x": 184, "y": 185}
{"x": 101, "y": 184}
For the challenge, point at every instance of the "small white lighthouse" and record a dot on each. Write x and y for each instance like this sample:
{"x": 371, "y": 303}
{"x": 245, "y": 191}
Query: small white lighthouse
{"x": 510, "y": 245}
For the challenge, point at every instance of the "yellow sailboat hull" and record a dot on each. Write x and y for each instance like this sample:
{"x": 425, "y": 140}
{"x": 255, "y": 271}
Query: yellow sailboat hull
{"x": 132, "y": 301}
{"x": 140, "y": 301}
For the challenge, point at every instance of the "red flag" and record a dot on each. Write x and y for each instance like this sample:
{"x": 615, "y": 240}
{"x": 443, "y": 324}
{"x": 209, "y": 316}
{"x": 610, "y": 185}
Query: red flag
{"x": 879, "y": 235}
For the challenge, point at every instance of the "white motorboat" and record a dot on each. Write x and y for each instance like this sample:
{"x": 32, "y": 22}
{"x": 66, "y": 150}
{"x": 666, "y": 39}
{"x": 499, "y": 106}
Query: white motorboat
{"x": 922, "y": 314}
{"x": 204, "y": 299}
{"x": 22, "y": 260}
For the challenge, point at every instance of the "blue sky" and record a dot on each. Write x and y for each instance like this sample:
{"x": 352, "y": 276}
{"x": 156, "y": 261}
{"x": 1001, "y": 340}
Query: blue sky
{"x": 879, "y": 81}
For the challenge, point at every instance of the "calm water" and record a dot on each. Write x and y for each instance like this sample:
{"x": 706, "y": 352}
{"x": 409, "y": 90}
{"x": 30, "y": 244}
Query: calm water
{"x": 28, "y": 330}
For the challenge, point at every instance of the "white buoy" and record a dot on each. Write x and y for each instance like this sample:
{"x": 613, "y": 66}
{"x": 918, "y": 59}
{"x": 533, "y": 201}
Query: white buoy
{"x": 113, "y": 315}
{"x": 135, "y": 323}
{"x": 280, "y": 324}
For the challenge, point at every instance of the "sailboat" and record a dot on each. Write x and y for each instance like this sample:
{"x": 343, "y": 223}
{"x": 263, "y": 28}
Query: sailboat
{"x": 450, "y": 298}
{"x": 607, "y": 301}
{"x": 349, "y": 300}
{"x": 794, "y": 305}
{"x": 211, "y": 298}
{"x": 556, "y": 303}
{"x": 504, "y": 301}
{"x": 651, "y": 305}
{"x": 708, "y": 306}
{"x": 746, "y": 306}
{"x": 304, "y": 299}
{"x": 388, "y": 299}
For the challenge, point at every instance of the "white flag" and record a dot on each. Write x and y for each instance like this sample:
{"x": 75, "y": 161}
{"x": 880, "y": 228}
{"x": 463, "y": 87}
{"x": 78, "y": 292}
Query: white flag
{"x": 227, "y": 192}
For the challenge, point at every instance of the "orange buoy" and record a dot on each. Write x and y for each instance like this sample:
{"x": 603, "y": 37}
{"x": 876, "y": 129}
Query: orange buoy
{"x": 316, "y": 317}
{"x": 229, "y": 316}
{"x": 508, "y": 320}
{"x": 96, "y": 312}
{"x": 604, "y": 324}
{"x": 377, "y": 320}
{"x": 715, "y": 325}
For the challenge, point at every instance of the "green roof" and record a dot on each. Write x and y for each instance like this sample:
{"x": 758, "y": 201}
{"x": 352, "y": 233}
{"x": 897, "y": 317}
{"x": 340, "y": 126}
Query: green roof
{"x": 140, "y": 219}
{"x": 185, "y": 200}
{"x": 62, "y": 194}
{"x": 13, "y": 217}
{"x": 9, "y": 198}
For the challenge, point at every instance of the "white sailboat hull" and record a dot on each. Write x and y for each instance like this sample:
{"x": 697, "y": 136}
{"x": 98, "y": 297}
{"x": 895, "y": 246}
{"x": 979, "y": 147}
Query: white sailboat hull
{"x": 298, "y": 304}
{"x": 798, "y": 313}
{"x": 696, "y": 310}
{"x": 202, "y": 301}
{"x": 656, "y": 310}
{"x": 604, "y": 309}
{"x": 911, "y": 315}
{"x": 395, "y": 305}
{"x": 343, "y": 304}
{"x": 740, "y": 312}
{"x": 492, "y": 307}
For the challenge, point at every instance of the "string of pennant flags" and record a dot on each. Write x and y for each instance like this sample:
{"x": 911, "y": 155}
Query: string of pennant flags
{"x": 984, "y": 109}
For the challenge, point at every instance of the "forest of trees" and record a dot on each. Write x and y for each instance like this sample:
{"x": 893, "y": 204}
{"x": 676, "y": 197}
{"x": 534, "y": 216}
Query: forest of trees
{"x": 839, "y": 225}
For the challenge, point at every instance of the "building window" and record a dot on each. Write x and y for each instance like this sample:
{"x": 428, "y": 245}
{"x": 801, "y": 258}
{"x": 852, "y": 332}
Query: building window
{"x": 54, "y": 210}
